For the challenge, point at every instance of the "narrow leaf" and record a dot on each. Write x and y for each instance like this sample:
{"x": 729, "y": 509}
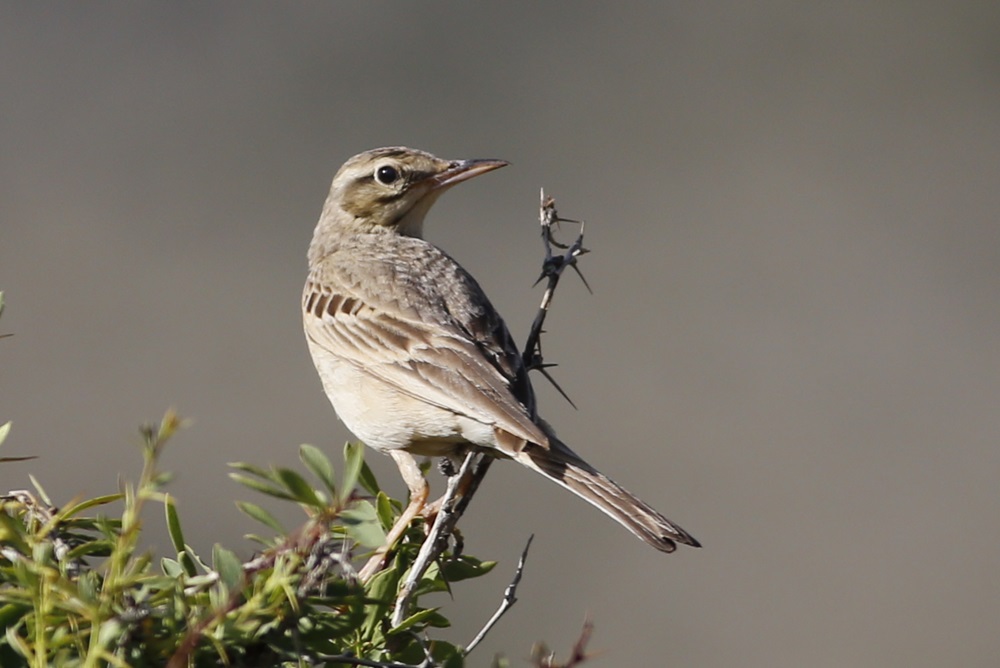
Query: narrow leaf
{"x": 261, "y": 515}
{"x": 262, "y": 487}
{"x": 299, "y": 488}
{"x": 38, "y": 488}
{"x": 317, "y": 462}
{"x": 94, "y": 548}
{"x": 414, "y": 619}
{"x": 381, "y": 589}
{"x": 465, "y": 567}
{"x": 386, "y": 513}
{"x": 174, "y": 524}
{"x": 367, "y": 480}
{"x": 354, "y": 458}
{"x": 73, "y": 509}
{"x": 253, "y": 470}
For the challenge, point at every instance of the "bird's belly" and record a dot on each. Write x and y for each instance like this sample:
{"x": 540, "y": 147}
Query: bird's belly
{"x": 386, "y": 419}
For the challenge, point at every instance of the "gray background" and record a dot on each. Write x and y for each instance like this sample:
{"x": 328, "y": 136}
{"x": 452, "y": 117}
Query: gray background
{"x": 792, "y": 348}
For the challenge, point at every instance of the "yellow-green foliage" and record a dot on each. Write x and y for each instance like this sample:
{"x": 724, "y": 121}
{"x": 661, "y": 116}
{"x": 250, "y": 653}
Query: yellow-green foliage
{"x": 76, "y": 590}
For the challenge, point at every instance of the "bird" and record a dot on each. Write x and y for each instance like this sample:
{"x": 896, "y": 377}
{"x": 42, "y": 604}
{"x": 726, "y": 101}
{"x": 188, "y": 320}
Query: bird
{"x": 411, "y": 352}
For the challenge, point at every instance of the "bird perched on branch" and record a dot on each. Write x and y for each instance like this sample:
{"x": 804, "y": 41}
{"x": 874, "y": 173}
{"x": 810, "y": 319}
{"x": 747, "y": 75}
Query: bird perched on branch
{"x": 412, "y": 354}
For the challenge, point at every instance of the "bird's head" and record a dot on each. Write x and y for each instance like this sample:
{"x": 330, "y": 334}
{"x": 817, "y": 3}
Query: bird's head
{"x": 392, "y": 189}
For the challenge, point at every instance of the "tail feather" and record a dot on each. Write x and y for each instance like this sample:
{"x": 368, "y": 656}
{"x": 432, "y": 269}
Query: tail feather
{"x": 564, "y": 467}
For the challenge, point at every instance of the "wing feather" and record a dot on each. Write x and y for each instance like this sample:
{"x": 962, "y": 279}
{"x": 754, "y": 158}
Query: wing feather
{"x": 438, "y": 362}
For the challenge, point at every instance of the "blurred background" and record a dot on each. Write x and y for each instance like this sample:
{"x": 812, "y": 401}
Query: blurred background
{"x": 792, "y": 349}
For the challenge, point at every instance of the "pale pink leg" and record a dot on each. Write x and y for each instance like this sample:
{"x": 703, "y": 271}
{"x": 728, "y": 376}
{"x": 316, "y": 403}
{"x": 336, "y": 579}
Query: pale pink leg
{"x": 419, "y": 491}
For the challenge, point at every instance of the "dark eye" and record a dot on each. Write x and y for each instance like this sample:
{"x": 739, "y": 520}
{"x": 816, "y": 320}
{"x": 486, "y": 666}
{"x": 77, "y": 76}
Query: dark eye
{"x": 386, "y": 175}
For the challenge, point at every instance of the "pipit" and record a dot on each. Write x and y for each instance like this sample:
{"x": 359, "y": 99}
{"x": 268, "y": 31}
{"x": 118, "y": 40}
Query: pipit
{"x": 412, "y": 354}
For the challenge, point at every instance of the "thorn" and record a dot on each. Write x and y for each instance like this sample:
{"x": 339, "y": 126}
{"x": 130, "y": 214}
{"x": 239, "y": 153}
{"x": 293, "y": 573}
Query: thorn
{"x": 580, "y": 274}
{"x": 552, "y": 380}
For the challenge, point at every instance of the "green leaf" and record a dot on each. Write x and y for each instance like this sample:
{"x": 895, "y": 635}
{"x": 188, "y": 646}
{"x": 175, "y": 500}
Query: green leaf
{"x": 381, "y": 589}
{"x": 299, "y": 488}
{"x": 367, "y": 479}
{"x": 261, "y": 515}
{"x": 465, "y": 567}
{"x": 171, "y": 567}
{"x": 345, "y": 623}
{"x": 262, "y": 487}
{"x": 73, "y": 509}
{"x": 41, "y": 491}
{"x": 253, "y": 470}
{"x": 438, "y": 621}
{"x": 188, "y": 562}
{"x": 9, "y": 614}
{"x": 198, "y": 562}
{"x": 228, "y": 566}
{"x": 254, "y": 538}
{"x": 354, "y": 459}
{"x": 363, "y": 525}
{"x": 421, "y": 617}
{"x": 319, "y": 464}
{"x": 12, "y": 534}
{"x": 94, "y": 548}
{"x": 386, "y": 513}
{"x": 4, "y": 429}
{"x": 431, "y": 581}
{"x": 89, "y": 586}
{"x": 177, "y": 535}
{"x": 20, "y": 645}
{"x": 453, "y": 659}
{"x": 161, "y": 480}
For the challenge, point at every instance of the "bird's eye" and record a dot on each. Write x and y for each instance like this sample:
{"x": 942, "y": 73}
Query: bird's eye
{"x": 386, "y": 175}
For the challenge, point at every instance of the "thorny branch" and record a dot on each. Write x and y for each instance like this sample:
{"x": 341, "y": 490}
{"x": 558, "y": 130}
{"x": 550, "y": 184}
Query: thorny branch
{"x": 552, "y": 269}
{"x": 463, "y": 486}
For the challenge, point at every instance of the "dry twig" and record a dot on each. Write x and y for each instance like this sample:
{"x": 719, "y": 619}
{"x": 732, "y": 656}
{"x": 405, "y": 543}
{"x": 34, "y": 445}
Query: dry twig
{"x": 509, "y": 599}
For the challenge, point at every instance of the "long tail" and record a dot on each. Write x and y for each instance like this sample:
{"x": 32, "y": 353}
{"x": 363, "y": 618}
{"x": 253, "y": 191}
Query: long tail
{"x": 563, "y": 466}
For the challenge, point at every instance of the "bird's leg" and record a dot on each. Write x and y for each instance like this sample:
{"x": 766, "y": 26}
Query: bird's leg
{"x": 419, "y": 491}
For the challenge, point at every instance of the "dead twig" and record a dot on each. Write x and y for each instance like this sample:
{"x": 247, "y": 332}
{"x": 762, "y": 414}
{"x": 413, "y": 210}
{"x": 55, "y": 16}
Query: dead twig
{"x": 509, "y": 599}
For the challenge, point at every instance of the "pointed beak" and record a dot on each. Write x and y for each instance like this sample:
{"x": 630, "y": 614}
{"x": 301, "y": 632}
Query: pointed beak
{"x": 462, "y": 170}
